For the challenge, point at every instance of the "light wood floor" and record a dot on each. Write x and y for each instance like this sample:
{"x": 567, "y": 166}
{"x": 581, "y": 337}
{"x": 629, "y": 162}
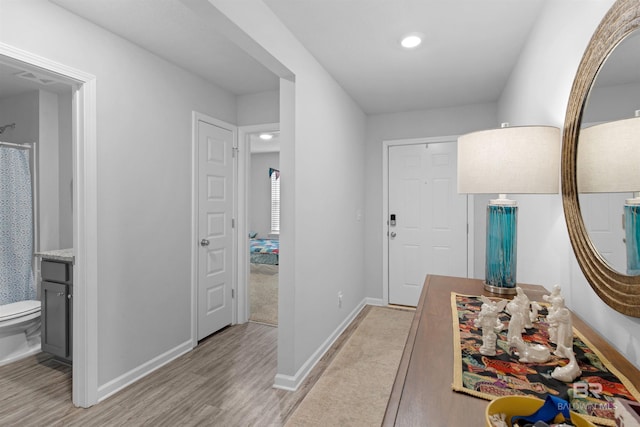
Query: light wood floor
{"x": 225, "y": 381}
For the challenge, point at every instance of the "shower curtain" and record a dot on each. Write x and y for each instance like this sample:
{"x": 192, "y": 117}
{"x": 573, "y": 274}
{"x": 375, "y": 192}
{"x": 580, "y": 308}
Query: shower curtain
{"x": 16, "y": 227}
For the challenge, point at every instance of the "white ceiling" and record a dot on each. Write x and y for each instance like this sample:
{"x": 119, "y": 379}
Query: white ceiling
{"x": 171, "y": 30}
{"x": 257, "y": 145}
{"x": 470, "y": 46}
{"x": 469, "y": 49}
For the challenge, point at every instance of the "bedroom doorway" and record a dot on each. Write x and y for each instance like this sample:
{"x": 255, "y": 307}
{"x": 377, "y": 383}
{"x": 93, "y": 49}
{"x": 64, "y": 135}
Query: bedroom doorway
{"x": 260, "y": 246}
{"x": 264, "y": 227}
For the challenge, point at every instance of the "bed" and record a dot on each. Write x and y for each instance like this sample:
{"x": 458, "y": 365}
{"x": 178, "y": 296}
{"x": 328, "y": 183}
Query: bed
{"x": 264, "y": 251}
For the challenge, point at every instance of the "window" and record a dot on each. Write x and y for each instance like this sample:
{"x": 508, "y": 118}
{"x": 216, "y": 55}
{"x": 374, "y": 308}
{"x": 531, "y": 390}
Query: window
{"x": 275, "y": 201}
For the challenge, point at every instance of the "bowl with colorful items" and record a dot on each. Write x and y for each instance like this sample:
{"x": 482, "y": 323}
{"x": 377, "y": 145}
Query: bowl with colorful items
{"x": 528, "y": 411}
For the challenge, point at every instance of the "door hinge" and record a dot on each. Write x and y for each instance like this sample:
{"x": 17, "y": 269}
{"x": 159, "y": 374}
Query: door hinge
{"x": 233, "y": 293}
{"x": 233, "y": 223}
{"x": 234, "y": 151}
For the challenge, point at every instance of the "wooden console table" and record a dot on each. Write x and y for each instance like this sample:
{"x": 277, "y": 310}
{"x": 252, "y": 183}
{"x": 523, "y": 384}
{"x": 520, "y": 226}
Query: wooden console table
{"x": 422, "y": 393}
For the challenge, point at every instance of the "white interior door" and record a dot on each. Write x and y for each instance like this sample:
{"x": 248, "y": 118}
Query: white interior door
{"x": 215, "y": 231}
{"x": 430, "y": 231}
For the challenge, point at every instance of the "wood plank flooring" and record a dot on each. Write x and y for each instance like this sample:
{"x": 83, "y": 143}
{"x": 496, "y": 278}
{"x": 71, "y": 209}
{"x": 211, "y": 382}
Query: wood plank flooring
{"x": 225, "y": 381}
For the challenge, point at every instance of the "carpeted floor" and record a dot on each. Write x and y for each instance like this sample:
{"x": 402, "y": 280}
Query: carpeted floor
{"x": 263, "y": 294}
{"x": 355, "y": 387}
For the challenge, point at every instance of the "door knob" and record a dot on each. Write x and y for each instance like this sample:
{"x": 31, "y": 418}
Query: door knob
{"x": 204, "y": 242}
{"x": 393, "y": 234}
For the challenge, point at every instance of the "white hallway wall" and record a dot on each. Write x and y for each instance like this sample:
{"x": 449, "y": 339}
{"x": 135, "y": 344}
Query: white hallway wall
{"x": 259, "y": 108}
{"x": 537, "y": 93}
{"x": 415, "y": 124}
{"x": 612, "y": 103}
{"x": 321, "y": 239}
{"x": 144, "y": 107}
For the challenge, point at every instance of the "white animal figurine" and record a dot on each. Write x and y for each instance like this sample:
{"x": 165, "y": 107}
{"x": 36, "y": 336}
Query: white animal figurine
{"x": 516, "y": 324}
{"x": 490, "y": 323}
{"x": 571, "y": 370}
{"x": 530, "y": 353}
{"x": 525, "y": 307}
{"x": 560, "y": 320}
{"x": 557, "y": 301}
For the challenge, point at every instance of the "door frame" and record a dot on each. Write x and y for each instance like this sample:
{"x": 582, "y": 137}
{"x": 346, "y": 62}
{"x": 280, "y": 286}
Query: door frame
{"x": 386, "y": 144}
{"x": 244, "y": 171}
{"x": 85, "y": 217}
{"x": 195, "y": 182}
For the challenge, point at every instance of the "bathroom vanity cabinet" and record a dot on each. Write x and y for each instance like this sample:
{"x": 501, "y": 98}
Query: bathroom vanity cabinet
{"x": 57, "y": 303}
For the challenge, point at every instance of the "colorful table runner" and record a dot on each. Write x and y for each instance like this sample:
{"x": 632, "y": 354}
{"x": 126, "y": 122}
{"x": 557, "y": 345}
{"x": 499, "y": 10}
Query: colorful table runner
{"x": 488, "y": 377}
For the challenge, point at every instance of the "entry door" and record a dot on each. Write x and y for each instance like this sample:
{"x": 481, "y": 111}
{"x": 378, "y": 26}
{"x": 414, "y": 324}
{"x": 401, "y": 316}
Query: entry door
{"x": 215, "y": 197}
{"x": 430, "y": 231}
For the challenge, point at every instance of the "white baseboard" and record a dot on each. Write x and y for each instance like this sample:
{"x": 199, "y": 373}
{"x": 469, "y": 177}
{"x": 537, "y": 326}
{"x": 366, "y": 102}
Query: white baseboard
{"x": 292, "y": 382}
{"x": 134, "y": 375}
{"x": 375, "y": 301}
{"x": 286, "y": 382}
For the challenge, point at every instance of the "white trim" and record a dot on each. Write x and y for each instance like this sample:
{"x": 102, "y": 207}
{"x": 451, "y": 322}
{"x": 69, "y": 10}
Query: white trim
{"x": 195, "y": 118}
{"x": 194, "y": 229}
{"x": 244, "y": 170}
{"x": 385, "y": 207}
{"x": 291, "y": 383}
{"x": 378, "y": 302}
{"x": 85, "y": 218}
{"x": 85, "y": 243}
{"x": 143, "y": 370}
{"x": 385, "y": 225}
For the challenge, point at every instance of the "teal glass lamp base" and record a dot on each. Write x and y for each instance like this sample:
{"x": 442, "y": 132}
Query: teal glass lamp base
{"x": 632, "y": 236}
{"x": 501, "y": 257}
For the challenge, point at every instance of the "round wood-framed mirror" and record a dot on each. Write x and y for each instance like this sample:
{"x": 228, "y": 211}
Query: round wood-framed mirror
{"x": 619, "y": 291}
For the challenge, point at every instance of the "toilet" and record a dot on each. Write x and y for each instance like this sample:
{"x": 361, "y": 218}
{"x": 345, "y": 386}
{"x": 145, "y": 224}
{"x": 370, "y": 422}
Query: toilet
{"x": 19, "y": 330}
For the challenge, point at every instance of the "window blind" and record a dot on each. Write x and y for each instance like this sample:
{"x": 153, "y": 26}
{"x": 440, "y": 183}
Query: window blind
{"x": 275, "y": 202}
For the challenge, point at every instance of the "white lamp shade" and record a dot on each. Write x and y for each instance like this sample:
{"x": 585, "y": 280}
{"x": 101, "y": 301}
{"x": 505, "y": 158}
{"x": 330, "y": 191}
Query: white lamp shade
{"x": 512, "y": 160}
{"x": 608, "y": 159}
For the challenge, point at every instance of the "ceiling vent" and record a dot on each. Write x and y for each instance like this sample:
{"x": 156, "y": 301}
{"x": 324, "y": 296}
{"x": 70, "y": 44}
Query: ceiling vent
{"x": 35, "y": 77}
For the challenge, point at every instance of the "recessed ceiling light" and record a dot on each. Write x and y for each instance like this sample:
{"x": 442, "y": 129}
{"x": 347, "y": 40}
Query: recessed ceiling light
{"x": 411, "y": 41}
{"x": 266, "y": 136}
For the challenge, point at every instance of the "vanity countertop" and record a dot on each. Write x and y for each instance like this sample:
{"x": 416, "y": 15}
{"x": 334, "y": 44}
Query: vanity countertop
{"x": 57, "y": 255}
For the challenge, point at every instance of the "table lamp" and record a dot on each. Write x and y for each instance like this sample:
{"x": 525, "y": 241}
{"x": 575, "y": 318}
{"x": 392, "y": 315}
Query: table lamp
{"x": 608, "y": 161}
{"x": 521, "y": 160}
